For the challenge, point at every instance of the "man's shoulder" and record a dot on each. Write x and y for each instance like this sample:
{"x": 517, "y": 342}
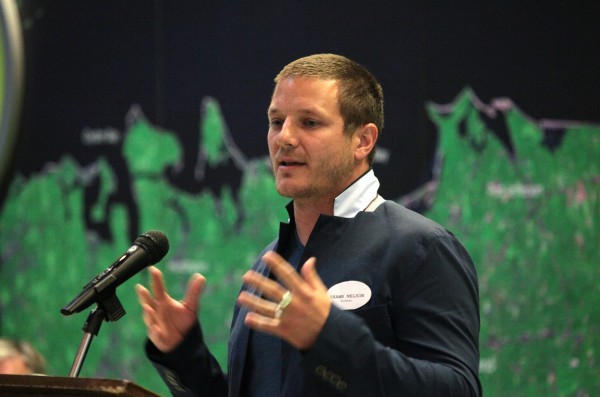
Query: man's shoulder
{"x": 399, "y": 218}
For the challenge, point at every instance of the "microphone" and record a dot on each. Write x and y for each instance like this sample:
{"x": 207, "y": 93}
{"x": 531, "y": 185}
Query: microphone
{"x": 148, "y": 249}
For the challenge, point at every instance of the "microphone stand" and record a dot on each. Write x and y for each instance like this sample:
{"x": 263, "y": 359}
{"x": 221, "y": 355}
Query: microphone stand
{"x": 108, "y": 308}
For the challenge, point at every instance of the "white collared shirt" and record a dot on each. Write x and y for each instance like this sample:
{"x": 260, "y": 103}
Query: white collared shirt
{"x": 357, "y": 197}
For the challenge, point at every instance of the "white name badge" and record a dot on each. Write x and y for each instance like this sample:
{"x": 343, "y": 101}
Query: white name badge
{"x": 349, "y": 295}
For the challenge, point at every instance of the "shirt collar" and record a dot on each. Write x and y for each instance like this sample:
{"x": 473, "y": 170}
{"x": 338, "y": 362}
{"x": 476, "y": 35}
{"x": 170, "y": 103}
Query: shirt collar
{"x": 357, "y": 196}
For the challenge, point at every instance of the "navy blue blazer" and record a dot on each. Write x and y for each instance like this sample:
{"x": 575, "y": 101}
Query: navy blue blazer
{"x": 416, "y": 336}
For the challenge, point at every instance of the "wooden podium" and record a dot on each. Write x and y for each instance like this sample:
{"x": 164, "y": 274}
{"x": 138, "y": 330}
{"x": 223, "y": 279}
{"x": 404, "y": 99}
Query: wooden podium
{"x": 34, "y": 385}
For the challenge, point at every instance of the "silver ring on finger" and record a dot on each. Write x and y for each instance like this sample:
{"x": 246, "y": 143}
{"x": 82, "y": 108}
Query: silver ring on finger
{"x": 286, "y": 299}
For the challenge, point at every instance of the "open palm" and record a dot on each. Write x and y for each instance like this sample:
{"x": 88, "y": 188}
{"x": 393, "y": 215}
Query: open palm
{"x": 168, "y": 320}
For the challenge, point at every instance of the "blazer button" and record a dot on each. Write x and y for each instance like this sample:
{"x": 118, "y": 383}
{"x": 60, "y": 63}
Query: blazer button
{"x": 331, "y": 377}
{"x": 321, "y": 370}
{"x": 341, "y": 386}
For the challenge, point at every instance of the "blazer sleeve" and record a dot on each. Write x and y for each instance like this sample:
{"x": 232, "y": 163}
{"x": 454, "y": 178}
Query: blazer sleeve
{"x": 190, "y": 370}
{"x": 422, "y": 342}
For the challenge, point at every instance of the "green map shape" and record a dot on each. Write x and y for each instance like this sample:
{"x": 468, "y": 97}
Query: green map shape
{"x": 530, "y": 223}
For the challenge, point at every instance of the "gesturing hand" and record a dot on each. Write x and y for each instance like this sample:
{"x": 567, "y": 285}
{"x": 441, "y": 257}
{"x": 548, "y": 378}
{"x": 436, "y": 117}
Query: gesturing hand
{"x": 168, "y": 320}
{"x": 302, "y": 319}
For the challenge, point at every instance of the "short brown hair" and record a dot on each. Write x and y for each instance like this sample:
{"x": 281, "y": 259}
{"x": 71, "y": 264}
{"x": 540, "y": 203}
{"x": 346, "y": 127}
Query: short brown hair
{"x": 360, "y": 97}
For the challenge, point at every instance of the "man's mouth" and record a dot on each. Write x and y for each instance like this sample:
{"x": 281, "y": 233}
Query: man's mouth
{"x": 289, "y": 163}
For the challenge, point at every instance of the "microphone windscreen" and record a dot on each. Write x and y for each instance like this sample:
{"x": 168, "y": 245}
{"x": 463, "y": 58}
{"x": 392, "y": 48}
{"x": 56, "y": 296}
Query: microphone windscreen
{"x": 155, "y": 243}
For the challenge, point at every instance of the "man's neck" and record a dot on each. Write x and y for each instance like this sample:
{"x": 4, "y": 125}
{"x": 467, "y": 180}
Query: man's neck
{"x": 308, "y": 210}
{"x": 306, "y": 214}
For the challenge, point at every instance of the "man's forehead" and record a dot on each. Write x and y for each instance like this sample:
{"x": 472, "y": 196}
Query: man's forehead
{"x": 307, "y": 80}
{"x": 307, "y": 93}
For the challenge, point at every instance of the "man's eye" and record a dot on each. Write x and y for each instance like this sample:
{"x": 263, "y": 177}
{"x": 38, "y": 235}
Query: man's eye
{"x": 275, "y": 123}
{"x": 311, "y": 123}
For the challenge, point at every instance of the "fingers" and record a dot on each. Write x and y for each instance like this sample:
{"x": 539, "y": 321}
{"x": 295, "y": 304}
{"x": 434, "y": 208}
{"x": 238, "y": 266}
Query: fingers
{"x": 157, "y": 283}
{"x": 267, "y": 287}
{"x": 287, "y": 275}
{"x": 283, "y": 270}
{"x": 148, "y": 316}
{"x": 309, "y": 274}
{"x": 193, "y": 292}
{"x": 147, "y": 304}
{"x": 258, "y": 305}
{"x": 143, "y": 295}
{"x": 262, "y": 323}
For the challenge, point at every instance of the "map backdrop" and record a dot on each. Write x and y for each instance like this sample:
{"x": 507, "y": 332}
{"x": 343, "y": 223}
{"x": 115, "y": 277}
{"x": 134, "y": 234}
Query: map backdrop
{"x": 140, "y": 116}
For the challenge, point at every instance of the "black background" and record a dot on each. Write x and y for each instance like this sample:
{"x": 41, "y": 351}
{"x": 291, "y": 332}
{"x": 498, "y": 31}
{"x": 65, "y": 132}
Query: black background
{"x": 88, "y": 62}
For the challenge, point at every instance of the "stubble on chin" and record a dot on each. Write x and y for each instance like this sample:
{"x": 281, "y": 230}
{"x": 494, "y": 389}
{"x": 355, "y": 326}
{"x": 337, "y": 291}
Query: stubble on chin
{"x": 287, "y": 189}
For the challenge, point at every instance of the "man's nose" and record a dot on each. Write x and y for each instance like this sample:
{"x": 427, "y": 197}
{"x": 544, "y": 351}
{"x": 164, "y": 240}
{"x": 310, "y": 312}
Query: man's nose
{"x": 287, "y": 135}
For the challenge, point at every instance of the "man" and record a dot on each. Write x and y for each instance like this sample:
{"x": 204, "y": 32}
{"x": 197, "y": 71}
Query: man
{"x": 20, "y": 358}
{"x": 358, "y": 296}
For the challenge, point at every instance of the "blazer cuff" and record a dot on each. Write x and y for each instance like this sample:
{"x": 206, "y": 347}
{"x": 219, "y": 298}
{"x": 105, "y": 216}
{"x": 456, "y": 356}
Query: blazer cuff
{"x": 174, "y": 365}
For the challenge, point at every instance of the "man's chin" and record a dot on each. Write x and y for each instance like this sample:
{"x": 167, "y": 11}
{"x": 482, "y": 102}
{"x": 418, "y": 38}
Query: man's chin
{"x": 285, "y": 193}
{"x": 290, "y": 191}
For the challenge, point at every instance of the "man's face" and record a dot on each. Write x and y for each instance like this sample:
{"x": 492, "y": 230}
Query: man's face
{"x": 14, "y": 365}
{"x": 311, "y": 156}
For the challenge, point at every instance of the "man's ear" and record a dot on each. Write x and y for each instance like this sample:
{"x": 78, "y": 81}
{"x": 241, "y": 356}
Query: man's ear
{"x": 366, "y": 137}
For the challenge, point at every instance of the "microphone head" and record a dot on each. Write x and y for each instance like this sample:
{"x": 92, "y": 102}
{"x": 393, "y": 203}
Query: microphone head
{"x": 155, "y": 243}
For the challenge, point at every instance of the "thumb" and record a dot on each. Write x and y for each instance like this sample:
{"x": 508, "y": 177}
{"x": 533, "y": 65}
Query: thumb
{"x": 309, "y": 274}
{"x": 194, "y": 290}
